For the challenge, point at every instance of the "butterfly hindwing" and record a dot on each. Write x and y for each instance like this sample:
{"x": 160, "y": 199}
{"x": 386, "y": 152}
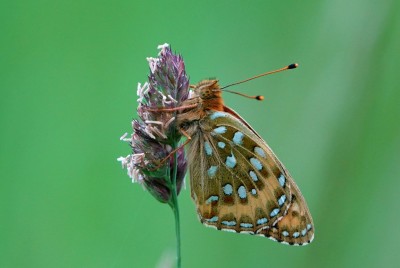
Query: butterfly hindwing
{"x": 239, "y": 185}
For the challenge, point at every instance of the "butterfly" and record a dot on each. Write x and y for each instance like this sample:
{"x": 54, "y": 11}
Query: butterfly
{"x": 237, "y": 182}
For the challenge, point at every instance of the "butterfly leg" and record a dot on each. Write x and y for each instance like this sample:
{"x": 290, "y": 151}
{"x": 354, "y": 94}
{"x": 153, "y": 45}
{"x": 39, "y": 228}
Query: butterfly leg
{"x": 188, "y": 139}
{"x": 180, "y": 108}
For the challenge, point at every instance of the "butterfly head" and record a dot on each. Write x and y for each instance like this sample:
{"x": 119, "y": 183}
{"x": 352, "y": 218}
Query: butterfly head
{"x": 207, "y": 89}
{"x": 209, "y": 93}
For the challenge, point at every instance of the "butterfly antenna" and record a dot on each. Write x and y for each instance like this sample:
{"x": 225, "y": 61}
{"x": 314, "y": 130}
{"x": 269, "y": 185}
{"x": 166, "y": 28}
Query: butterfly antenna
{"x": 258, "y": 97}
{"x": 291, "y": 66}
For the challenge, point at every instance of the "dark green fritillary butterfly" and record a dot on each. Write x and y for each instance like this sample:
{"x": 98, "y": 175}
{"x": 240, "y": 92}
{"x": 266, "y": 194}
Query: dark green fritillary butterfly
{"x": 237, "y": 182}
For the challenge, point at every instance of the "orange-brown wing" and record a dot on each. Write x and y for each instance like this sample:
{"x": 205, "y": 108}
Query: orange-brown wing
{"x": 239, "y": 185}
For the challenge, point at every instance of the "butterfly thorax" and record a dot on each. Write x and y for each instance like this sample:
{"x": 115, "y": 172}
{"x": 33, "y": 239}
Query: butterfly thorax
{"x": 207, "y": 96}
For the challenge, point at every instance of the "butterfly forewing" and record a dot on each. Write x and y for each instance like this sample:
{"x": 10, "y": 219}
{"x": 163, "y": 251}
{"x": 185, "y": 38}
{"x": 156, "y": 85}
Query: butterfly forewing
{"x": 239, "y": 185}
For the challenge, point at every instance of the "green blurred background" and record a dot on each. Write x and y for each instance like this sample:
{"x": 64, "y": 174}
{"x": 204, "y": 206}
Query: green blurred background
{"x": 68, "y": 77}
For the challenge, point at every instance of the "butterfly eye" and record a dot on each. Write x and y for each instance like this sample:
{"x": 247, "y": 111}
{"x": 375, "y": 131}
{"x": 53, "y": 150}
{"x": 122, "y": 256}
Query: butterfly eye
{"x": 206, "y": 93}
